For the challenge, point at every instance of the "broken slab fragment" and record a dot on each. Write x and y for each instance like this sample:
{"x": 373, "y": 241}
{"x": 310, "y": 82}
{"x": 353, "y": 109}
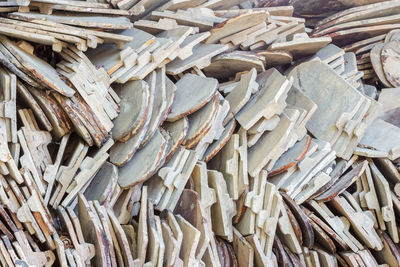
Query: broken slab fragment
{"x": 376, "y": 62}
{"x": 103, "y": 183}
{"x": 268, "y": 101}
{"x": 217, "y": 145}
{"x": 382, "y": 137}
{"x": 200, "y": 123}
{"x": 236, "y": 24}
{"x": 329, "y": 53}
{"x": 262, "y": 153}
{"x": 159, "y": 105}
{"x": 200, "y": 58}
{"x": 390, "y": 55}
{"x": 343, "y": 182}
{"x": 223, "y": 210}
{"x": 241, "y": 93}
{"x": 228, "y": 64}
{"x": 203, "y": 18}
{"x": 301, "y": 45}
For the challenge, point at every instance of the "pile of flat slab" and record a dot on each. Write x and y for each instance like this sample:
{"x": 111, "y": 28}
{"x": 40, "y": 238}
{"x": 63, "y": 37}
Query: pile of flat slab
{"x": 199, "y": 133}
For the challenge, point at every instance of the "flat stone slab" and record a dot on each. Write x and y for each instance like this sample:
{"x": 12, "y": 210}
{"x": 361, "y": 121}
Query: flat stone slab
{"x": 192, "y": 93}
{"x": 225, "y": 65}
{"x": 382, "y": 137}
{"x": 390, "y": 58}
{"x": 134, "y": 106}
{"x": 144, "y": 163}
{"x": 322, "y": 85}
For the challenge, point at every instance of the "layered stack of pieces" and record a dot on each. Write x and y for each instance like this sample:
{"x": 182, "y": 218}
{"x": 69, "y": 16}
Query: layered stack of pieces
{"x": 199, "y": 133}
{"x": 384, "y": 60}
{"x": 364, "y": 30}
{"x": 360, "y": 23}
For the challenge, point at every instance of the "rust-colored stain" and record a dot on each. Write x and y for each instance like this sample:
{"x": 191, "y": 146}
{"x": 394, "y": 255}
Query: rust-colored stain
{"x": 115, "y": 67}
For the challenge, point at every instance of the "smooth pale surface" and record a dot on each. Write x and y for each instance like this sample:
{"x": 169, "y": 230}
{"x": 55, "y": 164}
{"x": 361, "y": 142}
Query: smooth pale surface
{"x": 200, "y": 58}
{"x": 329, "y": 53}
{"x": 241, "y": 93}
{"x": 301, "y": 45}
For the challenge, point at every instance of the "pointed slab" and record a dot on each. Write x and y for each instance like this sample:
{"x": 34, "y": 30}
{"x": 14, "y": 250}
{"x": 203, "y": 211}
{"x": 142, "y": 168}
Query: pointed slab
{"x": 171, "y": 244}
{"x": 243, "y": 250}
{"x": 190, "y": 241}
{"x": 142, "y": 237}
{"x": 86, "y": 251}
{"x": 288, "y": 230}
{"x": 386, "y": 205}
